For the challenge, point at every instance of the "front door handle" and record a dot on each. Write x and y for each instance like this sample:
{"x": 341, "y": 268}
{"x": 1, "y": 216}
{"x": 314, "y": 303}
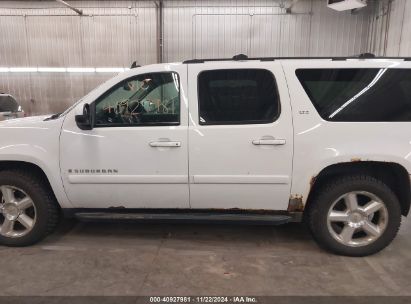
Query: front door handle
{"x": 170, "y": 144}
{"x": 269, "y": 142}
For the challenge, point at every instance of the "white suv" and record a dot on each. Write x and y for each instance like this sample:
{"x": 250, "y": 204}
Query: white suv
{"x": 263, "y": 140}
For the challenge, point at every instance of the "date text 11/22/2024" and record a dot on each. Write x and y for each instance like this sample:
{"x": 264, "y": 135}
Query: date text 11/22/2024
{"x": 204, "y": 299}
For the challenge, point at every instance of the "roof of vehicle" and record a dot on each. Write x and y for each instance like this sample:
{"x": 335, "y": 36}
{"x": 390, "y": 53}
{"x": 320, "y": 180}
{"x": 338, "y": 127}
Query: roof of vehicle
{"x": 242, "y": 57}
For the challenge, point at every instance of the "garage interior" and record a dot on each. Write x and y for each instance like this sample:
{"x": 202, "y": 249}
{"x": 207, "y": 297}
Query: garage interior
{"x": 54, "y": 52}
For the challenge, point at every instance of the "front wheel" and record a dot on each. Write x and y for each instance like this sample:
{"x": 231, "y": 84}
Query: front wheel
{"x": 354, "y": 216}
{"x": 28, "y": 210}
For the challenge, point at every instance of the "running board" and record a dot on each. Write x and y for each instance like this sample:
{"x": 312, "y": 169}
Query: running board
{"x": 255, "y": 219}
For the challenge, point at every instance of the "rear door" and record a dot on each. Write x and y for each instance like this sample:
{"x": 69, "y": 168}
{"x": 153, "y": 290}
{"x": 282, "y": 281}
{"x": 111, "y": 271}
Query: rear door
{"x": 240, "y": 136}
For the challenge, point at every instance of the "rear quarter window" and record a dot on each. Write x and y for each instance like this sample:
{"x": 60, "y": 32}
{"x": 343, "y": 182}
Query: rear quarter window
{"x": 369, "y": 95}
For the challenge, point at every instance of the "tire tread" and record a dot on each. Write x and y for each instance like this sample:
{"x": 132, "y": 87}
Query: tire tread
{"x": 320, "y": 197}
{"x": 40, "y": 186}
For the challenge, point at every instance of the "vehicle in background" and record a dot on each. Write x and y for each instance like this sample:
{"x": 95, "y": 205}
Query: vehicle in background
{"x": 9, "y": 107}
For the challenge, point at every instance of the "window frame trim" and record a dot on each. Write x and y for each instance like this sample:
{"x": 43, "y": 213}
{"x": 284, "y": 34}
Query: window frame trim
{"x": 154, "y": 124}
{"x": 245, "y": 122}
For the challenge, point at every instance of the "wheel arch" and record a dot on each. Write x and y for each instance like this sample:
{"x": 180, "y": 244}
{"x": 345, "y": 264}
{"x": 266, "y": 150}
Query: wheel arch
{"x": 392, "y": 174}
{"x": 27, "y": 166}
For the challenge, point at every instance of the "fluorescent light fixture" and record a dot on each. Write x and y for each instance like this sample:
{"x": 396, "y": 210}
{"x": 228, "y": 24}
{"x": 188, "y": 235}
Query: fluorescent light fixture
{"x": 22, "y": 69}
{"x": 109, "y": 70}
{"x": 52, "y": 70}
{"x": 62, "y": 70}
{"x": 81, "y": 70}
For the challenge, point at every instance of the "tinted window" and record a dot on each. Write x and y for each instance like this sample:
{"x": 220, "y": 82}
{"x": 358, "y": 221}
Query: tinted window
{"x": 243, "y": 96}
{"x": 8, "y": 104}
{"x": 148, "y": 99}
{"x": 359, "y": 94}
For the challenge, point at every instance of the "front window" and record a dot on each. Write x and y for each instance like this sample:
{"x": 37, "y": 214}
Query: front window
{"x": 143, "y": 100}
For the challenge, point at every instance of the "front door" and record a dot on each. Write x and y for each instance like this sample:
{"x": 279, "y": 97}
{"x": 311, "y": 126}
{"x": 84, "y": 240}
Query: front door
{"x": 136, "y": 156}
{"x": 240, "y": 135}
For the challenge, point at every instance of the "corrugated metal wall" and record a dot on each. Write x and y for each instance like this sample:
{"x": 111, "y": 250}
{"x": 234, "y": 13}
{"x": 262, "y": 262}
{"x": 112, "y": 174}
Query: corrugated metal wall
{"x": 45, "y": 34}
{"x": 393, "y": 21}
{"x": 115, "y": 33}
{"x": 203, "y": 29}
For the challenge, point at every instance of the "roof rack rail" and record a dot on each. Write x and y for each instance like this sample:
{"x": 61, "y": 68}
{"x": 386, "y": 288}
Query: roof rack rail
{"x": 135, "y": 65}
{"x": 240, "y": 57}
{"x": 366, "y": 56}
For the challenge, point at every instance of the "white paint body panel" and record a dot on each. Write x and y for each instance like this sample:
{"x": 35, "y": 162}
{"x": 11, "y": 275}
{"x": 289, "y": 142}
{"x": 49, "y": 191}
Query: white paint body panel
{"x": 148, "y": 176}
{"x": 226, "y": 169}
{"x": 319, "y": 143}
{"x": 215, "y": 166}
{"x": 35, "y": 141}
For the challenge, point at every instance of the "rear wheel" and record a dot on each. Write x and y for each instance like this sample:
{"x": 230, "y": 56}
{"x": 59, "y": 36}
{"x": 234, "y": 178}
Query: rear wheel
{"x": 28, "y": 210}
{"x": 355, "y": 216}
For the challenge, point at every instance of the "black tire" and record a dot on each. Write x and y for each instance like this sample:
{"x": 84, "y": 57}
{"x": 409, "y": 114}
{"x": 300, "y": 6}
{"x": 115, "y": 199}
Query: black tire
{"x": 330, "y": 192}
{"x": 47, "y": 210}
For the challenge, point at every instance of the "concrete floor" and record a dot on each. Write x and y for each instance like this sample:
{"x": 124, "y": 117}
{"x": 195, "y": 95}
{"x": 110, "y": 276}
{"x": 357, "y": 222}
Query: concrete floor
{"x": 183, "y": 259}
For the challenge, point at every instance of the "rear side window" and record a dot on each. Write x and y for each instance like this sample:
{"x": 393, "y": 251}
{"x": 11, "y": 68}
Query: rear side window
{"x": 359, "y": 94}
{"x": 238, "y": 96}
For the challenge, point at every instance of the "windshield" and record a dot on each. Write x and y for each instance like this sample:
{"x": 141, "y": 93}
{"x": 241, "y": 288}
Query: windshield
{"x": 8, "y": 104}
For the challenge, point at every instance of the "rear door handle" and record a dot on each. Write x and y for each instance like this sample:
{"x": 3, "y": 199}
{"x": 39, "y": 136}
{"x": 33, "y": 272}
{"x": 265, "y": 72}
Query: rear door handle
{"x": 269, "y": 142}
{"x": 170, "y": 144}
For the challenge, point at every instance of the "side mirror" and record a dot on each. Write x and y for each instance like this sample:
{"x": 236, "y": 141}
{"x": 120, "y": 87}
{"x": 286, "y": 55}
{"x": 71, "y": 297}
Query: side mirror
{"x": 86, "y": 120}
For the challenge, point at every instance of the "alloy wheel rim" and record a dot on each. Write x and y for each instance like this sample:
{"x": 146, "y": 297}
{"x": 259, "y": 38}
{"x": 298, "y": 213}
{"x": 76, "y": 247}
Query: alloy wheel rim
{"x": 17, "y": 212}
{"x": 357, "y": 218}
